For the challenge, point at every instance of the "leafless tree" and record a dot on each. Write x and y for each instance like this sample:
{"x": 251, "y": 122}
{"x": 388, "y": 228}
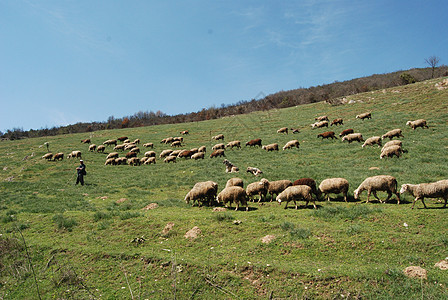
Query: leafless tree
{"x": 432, "y": 61}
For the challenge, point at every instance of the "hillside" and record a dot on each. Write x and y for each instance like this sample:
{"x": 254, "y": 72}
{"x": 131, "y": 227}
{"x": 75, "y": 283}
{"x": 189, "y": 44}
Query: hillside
{"x": 97, "y": 241}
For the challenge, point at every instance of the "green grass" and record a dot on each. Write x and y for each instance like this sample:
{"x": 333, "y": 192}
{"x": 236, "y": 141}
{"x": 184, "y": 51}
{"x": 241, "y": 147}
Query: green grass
{"x": 79, "y": 238}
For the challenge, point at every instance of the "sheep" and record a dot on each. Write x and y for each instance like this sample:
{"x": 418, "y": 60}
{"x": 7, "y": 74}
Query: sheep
{"x": 129, "y": 146}
{"x": 235, "y": 181}
{"x": 148, "y": 145}
{"x": 136, "y": 141}
{"x": 131, "y": 154}
{"x": 438, "y": 189}
{"x": 218, "y": 146}
{"x": 230, "y": 168}
{"x": 374, "y": 140}
{"x": 319, "y": 124}
{"x": 391, "y": 143}
{"x": 321, "y": 118}
{"x": 232, "y": 144}
{"x": 391, "y": 151}
{"x": 202, "y": 149}
{"x": 391, "y": 134}
{"x": 86, "y": 141}
{"x": 178, "y": 139}
{"x": 184, "y": 132}
{"x": 167, "y": 140}
{"x": 338, "y": 121}
{"x": 75, "y": 153}
{"x": 134, "y": 161}
{"x": 120, "y": 147}
{"x": 165, "y": 153}
{"x": 333, "y": 186}
{"x": 346, "y": 131}
{"x": 294, "y": 193}
{"x": 353, "y": 137}
{"x": 143, "y": 160}
{"x": 278, "y": 186}
{"x": 218, "y": 137}
{"x": 150, "y": 154}
{"x": 363, "y": 116}
{"x": 208, "y": 189}
{"x": 150, "y": 160}
{"x": 58, "y": 156}
{"x": 126, "y": 141}
{"x": 92, "y": 147}
{"x": 100, "y": 148}
{"x": 122, "y": 138}
{"x": 216, "y": 153}
{"x": 135, "y": 149}
{"x": 121, "y": 161}
{"x": 283, "y": 130}
{"x": 112, "y": 155}
{"x": 257, "y": 188}
{"x": 176, "y": 152}
{"x": 199, "y": 155}
{"x": 373, "y": 184}
{"x": 194, "y": 150}
{"x": 185, "y": 154}
{"x": 254, "y": 171}
{"x": 270, "y": 147}
{"x": 110, "y": 161}
{"x": 169, "y": 159}
{"x": 327, "y": 135}
{"x": 295, "y": 130}
{"x": 291, "y": 144}
{"x": 176, "y": 144}
{"x": 235, "y": 194}
{"x": 47, "y": 156}
{"x": 417, "y": 123}
{"x": 309, "y": 182}
{"x": 253, "y": 143}
{"x": 110, "y": 142}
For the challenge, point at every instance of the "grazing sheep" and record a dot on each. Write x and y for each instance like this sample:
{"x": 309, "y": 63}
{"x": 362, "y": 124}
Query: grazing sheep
{"x": 131, "y": 154}
{"x": 176, "y": 152}
{"x": 112, "y": 155}
{"x": 129, "y": 146}
{"x": 209, "y": 191}
{"x": 353, "y": 137}
{"x": 194, "y": 150}
{"x": 134, "y": 161}
{"x": 346, "y": 131}
{"x": 218, "y": 137}
{"x": 184, "y": 132}
{"x": 122, "y": 138}
{"x": 199, "y": 155}
{"x": 120, "y": 147}
{"x": 233, "y": 144}
{"x": 259, "y": 188}
{"x": 391, "y": 143}
{"x": 235, "y": 181}
{"x": 110, "y": 161}
{"x": 218, "y": 146}
{"x": 148, "y": 145}
{"x": 278, "y": 186}
{"x": 178, "y": 139}
{"x": 295, "y": 130}
{"x": 75, "y": 153}
{"x": 438, "y": 189}
{"x": 167, "y": 140}
{"x": 92, "y": 147}
{"x": 176, "y": 144}
{"x": 319, "y": 124}
{"x": 338, "y": 121}
{"x": 58, "y": 156}
{"x": 374, "y": 140}
{"x": 150, "y": 154}
{"x": 202, "y": 149}
{"x": 135, "y": 149}
{"x": 235, "y": 194}
{"x": 254, "y": 142}
{"x": 327, "y": 135}
{"x": 165, "y": 153}
{"x": 126, "y": 141}
{"x": 185, "y": 154}
{"x": 169, "y": 159}
{"x": 393, "y": 133}
{"x": 121, "y": 161}
{"x": 110, "y": 142}
{"x": 136, "y": 141}
{"x": 391, "y": 151}
{"x": 216, "y": 153}
{"x": 150, "y": 160}
{"x": 270, "y": 147}
{"x": 283, "y": 130}
{"x": 291, "y": 144}
{"x": 333, "y": 186}
{"x": 295, "y": 193}
{"x": 363, "y": 116}
{"x": 230, "y": 168}
{"x": 100, "y": 148}
{"x": 254, "y": 171}
{"x": 373, "y": 184}
{"x": 86, "y": 141}
{"x": 321, "y": 118}
{"x": 309, "y": 182}
{"x": 48, "y": 156}
{"x": 417, "y": 123}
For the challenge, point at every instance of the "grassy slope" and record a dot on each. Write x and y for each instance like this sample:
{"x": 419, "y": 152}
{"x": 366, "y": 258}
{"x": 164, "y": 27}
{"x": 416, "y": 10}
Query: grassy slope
{"x": 349, "y": 249}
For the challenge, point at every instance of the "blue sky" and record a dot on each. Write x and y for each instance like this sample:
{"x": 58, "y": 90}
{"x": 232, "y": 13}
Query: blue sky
{"x": 63, "y": 62}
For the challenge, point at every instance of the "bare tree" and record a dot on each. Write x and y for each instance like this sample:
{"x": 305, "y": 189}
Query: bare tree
{"x": 432, "y": 61}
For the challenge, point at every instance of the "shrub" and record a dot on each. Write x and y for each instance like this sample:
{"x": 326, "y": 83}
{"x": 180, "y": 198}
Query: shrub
{"x": 64, "y": 222}
{"x": 407, "y": 78}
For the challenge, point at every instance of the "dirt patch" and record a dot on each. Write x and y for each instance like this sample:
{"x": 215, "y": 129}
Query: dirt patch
{"x": 150, "y": 206}
{"x": 374, "y": 168}
{"x": 167, "y": 228}
{"x": 193, "y": 233}
{"x": 267, "y": 239}
{"x": 442, "y": 265}
{"x": 121, "y": 200}
{"x": 442, "y": 85}
{"x": 219, "y": 209}
{"x": 415, "y": 272}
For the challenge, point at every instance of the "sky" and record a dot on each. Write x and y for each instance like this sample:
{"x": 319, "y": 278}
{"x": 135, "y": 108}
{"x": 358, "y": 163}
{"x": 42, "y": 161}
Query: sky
{"x": 64, "y": 62}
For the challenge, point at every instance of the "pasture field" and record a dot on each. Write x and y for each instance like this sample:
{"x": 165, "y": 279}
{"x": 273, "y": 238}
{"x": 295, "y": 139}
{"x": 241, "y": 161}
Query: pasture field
{"x": 61, "y": 241}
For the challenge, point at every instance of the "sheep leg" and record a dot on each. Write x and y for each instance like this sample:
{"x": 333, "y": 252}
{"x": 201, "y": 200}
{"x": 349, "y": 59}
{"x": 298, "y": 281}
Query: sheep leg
{"x": 389, "y": 194}
{"x": 368, "y": 196}
{"x": 286, "y": 204}
{"x": 345, "y": 198}
{"x": 398, "y": 197}
{"x": 446, "y": 200}
{"x": 295, "y": 203}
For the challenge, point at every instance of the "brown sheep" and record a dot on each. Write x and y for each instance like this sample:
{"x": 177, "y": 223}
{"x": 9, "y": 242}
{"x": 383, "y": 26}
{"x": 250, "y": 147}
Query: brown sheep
{"x": 185, "y": 154}
{"x": 123, "y": 138}
{"x": 58, "y": 156}
{"x": 86, "y": 141}
{"x": 346, "y": 131}
{"x": 309, "y": 182}
{"x": 327, "y": 135}
{"x": 130, "y": 154}
{"x": 338, "y": 121}
{"x": 217, "y": 153}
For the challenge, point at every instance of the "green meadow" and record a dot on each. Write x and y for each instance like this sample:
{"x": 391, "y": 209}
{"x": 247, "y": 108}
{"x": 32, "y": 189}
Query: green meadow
{"x": 62, "y": 241}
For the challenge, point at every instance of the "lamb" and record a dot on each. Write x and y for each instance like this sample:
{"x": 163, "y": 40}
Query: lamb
{"x": 92, "y": 147}
{"x": 374, "y": 140}
{"x": 391, "y": 143}
{"x": 309, "y": 182}
{"x": 148, "y": 145}
{"x": 391, "y": 151}
{"x": 110, "y": 161}
{"x": 283, "y": 130}
{"x": 199, "y": 155}
{"x": 321, "y": 118}
{"x": 254, "y": 171}
{"x": 346, "y": 131}
{"x": 319, "y": 124}
{"x": 338, "y": 121}
{"x": 353, "y": 137}
{"x": 278, "y": 186}
{"x": 333, "y": 186}
{"x": 75, "y": 153}
{"x": 393, "y": 133}
{"x": 373, "y": 184}
{"x": 234, "y": 144}
{"x": 291, "y": 144}
{"x": 257, "y": 188}
{"x": 235, "y": 194}
{"x": 295, "y": 193}
{"x": 218, "y": 146}
{"x": 363, "y": 116}
{"x": 121, "y": 161}
{"x": 169, "y": 159}
{"x": 58, "y": 156}
{"x": 216, "y": 153}
{"x": 438, "y": 189}
{"x": 235, "y": 181}
{"x": 86, "y": 141}
{"x": 230, "y": 168}
{"x": 417, "y": 123}
{"x": 218, "y": 137}
{"x": 327, "y": 135}
{"x": 253, "y": 143}
{"x": 165, "y": 153}
{"x": 150, "y": 154}
{"x": 47, "y": 156}
{"x": 134, "y": 161}
{"x": 110, "y": 142}
{"x": 270, "y": 147}
{"x": 100, "y": 148}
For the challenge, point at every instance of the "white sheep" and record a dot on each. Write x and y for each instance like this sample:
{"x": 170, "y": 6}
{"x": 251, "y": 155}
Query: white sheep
{"x": 283, "y": 130}
{"x": 218, "y": 146}
{"x": 150, "y": 154}
{"x": 121, "y": 161}
{"x": 373, "y": 184}
{"x": 112, "y": 155}
{"x": 391, "y": 151}
{"x": 149, "y": 160}
{"x": 438, "y": 189}
{"x": 92, "y": 147}
{"x": 417, "y": 123}
{"x": 291, "y": 144}
{"x": 47, "y": 156}
{"x": 277, "y": 186}
{"x": 363, "y": 116}
{"x": 211, "y": 187}
{"x": 235, "y": 194}
{"x": 75, "y": 153}
{"x": 199, "y": 155}
{"x": 295, "y": 193}
{"x": 333, "y": 186}
{"x": 353, "y": 137}
{"x": 218, "y": 137}
{"x": 259, "y": 188}
{"x": 169, "y": 159}
{"x": 148, "y": 145}
{"x": 110, "y": 161}
{"x": 393, "y": 133}
{"x": 232, "y": 144}
{"x": 270, "y": 147}
{"x": 165, "y": 153}
{"x": 235, "y": 181}
{"x": 202, "y": 191}
{"x": 321, "y": 118}
{"x": 391, "y": 143}
{"x": 374, "y": 140}
{"x": 319, "y": 124}
{"x": 202, "y": 149}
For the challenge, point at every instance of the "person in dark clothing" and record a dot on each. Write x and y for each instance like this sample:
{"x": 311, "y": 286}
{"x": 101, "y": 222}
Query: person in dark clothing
{"x": 81, "y": 172}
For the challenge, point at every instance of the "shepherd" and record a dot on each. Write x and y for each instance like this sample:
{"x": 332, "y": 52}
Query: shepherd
{"x": 81, "y": 172}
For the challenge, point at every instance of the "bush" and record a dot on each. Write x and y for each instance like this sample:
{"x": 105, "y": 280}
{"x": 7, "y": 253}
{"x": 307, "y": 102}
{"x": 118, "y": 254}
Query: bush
{"x": 64, "y": 223}
{"x": 407, "y": 78}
